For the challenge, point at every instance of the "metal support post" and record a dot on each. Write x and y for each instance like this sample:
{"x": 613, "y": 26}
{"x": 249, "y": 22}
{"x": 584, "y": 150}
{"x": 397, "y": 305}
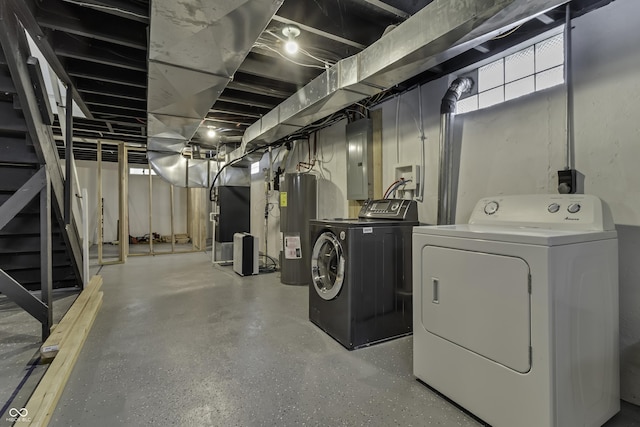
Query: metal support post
{"x": 68, "y": 156}
{"x": 38, "y": 184}
{"x": 45, "y": 256}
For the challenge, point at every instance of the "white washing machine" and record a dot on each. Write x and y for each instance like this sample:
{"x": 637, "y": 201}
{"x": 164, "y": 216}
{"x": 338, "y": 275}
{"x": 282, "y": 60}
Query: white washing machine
{"x": 516, "y": 313}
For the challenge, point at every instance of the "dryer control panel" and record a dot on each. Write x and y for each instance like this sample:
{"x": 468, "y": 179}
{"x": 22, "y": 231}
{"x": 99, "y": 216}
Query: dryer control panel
{"x": 551, "y": 211}
{"x": 398, "y": 209}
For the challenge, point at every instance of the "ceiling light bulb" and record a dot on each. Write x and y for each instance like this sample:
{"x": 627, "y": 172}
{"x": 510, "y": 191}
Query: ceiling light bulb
{"x": 291, "y": 47}
{"x": 291, "y": 32}
{"x": 211, "y": 133}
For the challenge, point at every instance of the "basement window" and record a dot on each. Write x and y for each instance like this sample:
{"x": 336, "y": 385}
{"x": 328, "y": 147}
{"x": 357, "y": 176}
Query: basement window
{"x": 141, "y": 171}
{"x": 529, "y": 70}
{"x": 255, "y": 168}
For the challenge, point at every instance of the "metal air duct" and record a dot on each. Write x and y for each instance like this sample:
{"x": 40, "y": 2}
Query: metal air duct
{"x": 195, "y": 48}
{"x": 436, "y": 33}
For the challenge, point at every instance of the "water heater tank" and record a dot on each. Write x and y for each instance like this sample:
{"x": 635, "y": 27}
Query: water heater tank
{"x": 298, "y": 198}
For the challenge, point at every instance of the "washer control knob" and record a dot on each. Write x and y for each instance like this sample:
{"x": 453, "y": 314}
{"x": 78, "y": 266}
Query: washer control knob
{"x": 574, "y": 208}
{"x": 491, "y": 208}
{"x": 553, "y": 208}
{"x": 394, "y": 206}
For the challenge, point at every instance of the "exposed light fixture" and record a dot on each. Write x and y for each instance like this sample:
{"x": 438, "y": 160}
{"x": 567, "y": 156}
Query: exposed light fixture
{"x": 291, "y": 32}
{"x": 211, "y": 133}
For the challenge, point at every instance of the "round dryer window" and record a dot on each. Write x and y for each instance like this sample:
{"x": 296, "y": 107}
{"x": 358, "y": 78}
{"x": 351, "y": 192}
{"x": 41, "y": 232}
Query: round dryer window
{"x": 327, "y": 266}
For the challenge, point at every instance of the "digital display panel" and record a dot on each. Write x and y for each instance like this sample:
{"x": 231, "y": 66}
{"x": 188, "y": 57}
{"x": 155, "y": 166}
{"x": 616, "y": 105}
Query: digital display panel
{"x": 382, "y": 206}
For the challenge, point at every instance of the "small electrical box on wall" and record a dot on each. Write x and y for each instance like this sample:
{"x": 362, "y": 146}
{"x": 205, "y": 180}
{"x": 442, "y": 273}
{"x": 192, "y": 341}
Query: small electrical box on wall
{"x": 359, "y": 135}
{"x": 567, "y": 181}
{"x": 411, "y": 175}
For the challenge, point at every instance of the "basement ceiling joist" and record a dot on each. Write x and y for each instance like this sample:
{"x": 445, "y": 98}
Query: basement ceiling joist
{"x": 98, "y": 52}
{"x": 101, "y": 48}
{"x": 80, "y": 21}
{"x": 105, "y": 73}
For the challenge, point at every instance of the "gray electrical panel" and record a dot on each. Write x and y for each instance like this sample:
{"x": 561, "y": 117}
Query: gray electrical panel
{"x": 359, "y": 135}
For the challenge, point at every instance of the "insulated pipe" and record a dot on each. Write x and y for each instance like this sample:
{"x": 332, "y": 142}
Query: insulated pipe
{"x": 445, "y": 179}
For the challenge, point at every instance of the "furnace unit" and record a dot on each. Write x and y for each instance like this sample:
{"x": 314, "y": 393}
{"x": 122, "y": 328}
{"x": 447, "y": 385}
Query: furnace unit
{"x": 232, "y": 216}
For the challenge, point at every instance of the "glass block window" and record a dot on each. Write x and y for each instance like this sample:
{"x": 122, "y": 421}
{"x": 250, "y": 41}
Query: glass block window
{"x": 531, "y": 69}
{"x": 491, "y": 76}
{"x": 491, "y": 97}
{"x": 467, "y": 104}
{"x": 141, "y": 171}
{"x": 519, "y": 65}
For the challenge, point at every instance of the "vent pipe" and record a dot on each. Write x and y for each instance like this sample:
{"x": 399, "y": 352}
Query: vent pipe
{"x": 446, "y": 190}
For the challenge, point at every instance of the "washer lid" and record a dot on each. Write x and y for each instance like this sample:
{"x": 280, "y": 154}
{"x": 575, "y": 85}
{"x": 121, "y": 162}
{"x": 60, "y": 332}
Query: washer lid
{"x": 525, "y": 235}
{"x": 362, "y": 222}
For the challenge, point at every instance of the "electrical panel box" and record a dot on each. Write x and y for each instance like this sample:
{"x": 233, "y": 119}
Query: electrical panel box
{"x": 359, "y": 135}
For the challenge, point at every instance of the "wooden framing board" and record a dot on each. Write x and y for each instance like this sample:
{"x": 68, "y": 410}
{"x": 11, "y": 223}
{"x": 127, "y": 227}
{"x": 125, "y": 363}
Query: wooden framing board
{"x": 100, "y": 204}
{"x": 43, "y": 402}
{"x": 58, "y": 337}
{"x": 123, "y": 174}
{"x": 173, "y": 231}
{"x": 151, "y": 211}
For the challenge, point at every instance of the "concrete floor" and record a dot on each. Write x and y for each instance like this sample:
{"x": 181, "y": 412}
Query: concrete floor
{"x": 20, "y": 340}
{"x": 181, "y": 342}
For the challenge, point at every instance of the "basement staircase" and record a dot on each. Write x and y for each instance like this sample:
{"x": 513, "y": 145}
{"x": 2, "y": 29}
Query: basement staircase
{"x": 20, "y": 238}
{"x": 32, "y": 189}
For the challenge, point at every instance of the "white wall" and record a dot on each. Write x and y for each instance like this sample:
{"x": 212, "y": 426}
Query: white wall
{"x": 138, "y": 205}
{"x": 88, "y": 178}
{"x": 518, "y": 147}
{"x": 138, "y": 202}
{"x": 513, "y": 148}
{"x": 258, "y": 200}
{"x": 330, "y": 169}
{"x": 607, "y": 86}
{"x": 401, "y": 142}
{"x": 607, "y": 102}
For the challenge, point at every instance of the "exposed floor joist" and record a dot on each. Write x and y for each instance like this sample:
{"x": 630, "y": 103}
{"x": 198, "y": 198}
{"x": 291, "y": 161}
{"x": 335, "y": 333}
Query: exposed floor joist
{"x": 319, "y": 32}
{"x": 384, "y": 6}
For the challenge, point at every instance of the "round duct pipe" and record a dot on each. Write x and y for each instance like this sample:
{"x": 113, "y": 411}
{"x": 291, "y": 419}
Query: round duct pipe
{"x": 181, "y": 171}
{"x": 445, "y": 179}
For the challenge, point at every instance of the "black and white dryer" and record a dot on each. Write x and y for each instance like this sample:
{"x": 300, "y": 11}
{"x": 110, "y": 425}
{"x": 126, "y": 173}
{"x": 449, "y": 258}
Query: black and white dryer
{"x": 361, "y": 290}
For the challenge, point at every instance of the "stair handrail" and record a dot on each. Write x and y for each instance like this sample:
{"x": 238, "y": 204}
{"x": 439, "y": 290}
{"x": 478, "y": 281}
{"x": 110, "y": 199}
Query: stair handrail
{"x": 80, "y": 214}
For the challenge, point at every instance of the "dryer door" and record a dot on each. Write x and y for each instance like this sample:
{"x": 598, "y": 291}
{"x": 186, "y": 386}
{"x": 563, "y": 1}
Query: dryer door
{"x": 480, "y": 302}
{"x": 327, "y": 266}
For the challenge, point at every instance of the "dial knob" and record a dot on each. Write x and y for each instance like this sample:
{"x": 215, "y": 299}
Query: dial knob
{"x": 574, "y": 208}
{"x": 491, "y": 208}
{"x": 394, "y": 206}
{"x": 554, "y": 207}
